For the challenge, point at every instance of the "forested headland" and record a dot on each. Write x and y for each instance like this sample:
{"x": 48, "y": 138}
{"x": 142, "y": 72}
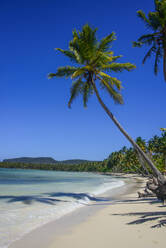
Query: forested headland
{"x": 125, "y": 160}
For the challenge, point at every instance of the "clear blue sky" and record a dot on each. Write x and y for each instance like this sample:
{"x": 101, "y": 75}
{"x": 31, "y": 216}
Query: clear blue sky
{"x": 35, "y": 119}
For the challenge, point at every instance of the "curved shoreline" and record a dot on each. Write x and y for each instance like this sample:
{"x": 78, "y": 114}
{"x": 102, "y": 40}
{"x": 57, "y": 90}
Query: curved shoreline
{"x": 125, "y": 223}
{"x": 30, "y": 206}
{"x": 44, "y": 236}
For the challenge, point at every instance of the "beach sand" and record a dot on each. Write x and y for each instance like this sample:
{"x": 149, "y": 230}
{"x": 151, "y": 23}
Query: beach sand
{"x": 124, "y": 221}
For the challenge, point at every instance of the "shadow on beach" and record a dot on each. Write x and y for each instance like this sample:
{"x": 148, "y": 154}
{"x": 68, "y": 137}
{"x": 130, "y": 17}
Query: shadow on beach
{"x": 79, "y": 196}
{"x": 29, "y": 199}
{"x": 50, "y": 199}
{"x": 159, "y": 216}
{"x": 147, "y": 217}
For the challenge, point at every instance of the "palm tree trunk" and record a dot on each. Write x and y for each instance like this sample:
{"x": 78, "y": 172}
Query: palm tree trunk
{"x": 155, "y": 171}
{"x": 142, "y": 163}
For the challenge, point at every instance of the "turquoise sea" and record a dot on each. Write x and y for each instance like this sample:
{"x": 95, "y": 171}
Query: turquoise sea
{"x": 31, "y": 198}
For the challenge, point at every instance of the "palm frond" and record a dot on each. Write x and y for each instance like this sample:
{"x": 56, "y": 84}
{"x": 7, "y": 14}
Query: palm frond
{"x": 149, "y": 53}
{"x": 162, "y": 10}
{"x": 64, "y": 71}
{"x": 137, "y": 44}
{"x": 77, "y": 53}
{"x": 51, "y": 75}
{"x": 116, "y": 82}
{"x": 78, "y": 73}
{"x": 75, "y": 90}
{"x": 143, "y": 17}
{"x": 154, "y": 20}
{"x": 114, "y": 58}
{"x": 87, "y": 91}
{"x": 101, "y": 58}
{"x": 104, "y": 44}
{"x": 84, "y": 43}
{"x": 105, "y": 75}
{"x": 107, "y": 83}
{"x": 93, "y": 59}
{"x": 68, "y": 53}
{"x": 112, "y": 80}
{"x": 148, "y": 38}
{"x": 88, "y": 35}
{"x": 118, "y": 67}
{"x": 75, "y": 48}
{"x": 156, "y": 3}
{"x": 81, "y": 71}
{"x": 157, "y": 60}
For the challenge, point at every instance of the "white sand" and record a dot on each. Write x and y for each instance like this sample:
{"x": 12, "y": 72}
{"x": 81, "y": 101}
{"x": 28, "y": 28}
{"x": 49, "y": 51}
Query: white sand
{"x": 115, "y": 226}
{"x": 125, "y": 222}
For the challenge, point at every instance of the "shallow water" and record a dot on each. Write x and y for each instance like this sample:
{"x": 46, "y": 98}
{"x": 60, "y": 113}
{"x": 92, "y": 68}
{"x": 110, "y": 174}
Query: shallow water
{"x": 31, "y": 198}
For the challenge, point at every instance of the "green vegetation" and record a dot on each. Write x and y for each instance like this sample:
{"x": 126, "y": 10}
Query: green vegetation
{"x": 89, "y": 166}
{"x": 125, "y": 160}
{"x": 95, "y": 60}
{"x": 44, "y": 160}
{"x": 94, "y": 63}
{"x": 155, "y": 21}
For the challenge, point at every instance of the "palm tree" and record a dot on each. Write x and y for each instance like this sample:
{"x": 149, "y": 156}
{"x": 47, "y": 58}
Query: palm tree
{"x": 158, "y": 145}
{"x": 131, "y": 161}
{"x": 156, "y": 21}
{"x": 94, "y": 61}
{"x": 142, "y": 144}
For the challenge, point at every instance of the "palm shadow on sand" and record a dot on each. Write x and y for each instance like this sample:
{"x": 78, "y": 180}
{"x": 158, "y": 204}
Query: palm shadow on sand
{"x": 30, "y": 199}
{"x": 79, "y": 196}
{"x": 144, "y": 217}
{"x": 51, "y": 198}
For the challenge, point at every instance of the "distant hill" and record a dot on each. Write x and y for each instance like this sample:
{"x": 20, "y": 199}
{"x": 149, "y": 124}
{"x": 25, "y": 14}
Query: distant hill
{"x": 44, "y": 160}
{"x": 29, "y": 160}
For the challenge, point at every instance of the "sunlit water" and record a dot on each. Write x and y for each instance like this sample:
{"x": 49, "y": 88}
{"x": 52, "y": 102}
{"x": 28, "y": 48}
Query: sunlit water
{"x": 31, "y": 198}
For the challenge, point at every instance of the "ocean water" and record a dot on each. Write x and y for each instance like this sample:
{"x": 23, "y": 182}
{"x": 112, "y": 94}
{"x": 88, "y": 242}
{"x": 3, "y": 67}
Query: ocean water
{"x": 31, "y": 198}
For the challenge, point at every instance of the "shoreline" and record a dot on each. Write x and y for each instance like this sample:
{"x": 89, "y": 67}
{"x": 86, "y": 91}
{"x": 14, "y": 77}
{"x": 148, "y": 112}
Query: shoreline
{"x": 45, "y": 235}
{"x": 125, "y": 223}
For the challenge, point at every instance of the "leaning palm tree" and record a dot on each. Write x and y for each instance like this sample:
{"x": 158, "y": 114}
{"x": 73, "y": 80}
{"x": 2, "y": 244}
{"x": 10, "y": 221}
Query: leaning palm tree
{"x": 155, "y": 21}
{"x": 93, "y": 61}
{"x": 142, "y": 144}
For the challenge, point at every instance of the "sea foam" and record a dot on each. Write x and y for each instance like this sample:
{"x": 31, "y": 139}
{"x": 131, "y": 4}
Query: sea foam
{"x": 26, "y": 205}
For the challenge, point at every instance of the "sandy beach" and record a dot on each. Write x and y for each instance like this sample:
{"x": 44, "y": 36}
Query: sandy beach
{"x": 123, "y": 221}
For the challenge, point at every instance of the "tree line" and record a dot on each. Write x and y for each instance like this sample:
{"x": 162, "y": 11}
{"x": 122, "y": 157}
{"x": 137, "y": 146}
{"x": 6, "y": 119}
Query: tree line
{"x": 126, "y": 160}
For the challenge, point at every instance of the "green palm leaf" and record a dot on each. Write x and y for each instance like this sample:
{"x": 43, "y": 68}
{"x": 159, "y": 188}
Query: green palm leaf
{"x": 69, "y": 54}
{"x": 108, "y": 85}
{"x": 75, "y": 90}
{"x": 87, "y": 91}
{"x": 157, "y": 60}
{"x": 143, "y": 17}
{"x": 148, "y": 38}
{"x": 116, "y": 82}
{"x": 81, "y": 71}
{"x": 118, "y": 67}
{"x": 149, "y": 53}
{"x": 156, "y": 21}
{"x": 64, "y": 71}
{"x": 95, "y": 61}
{"x": 137, "y": 44}
{"x": 104, "y": 44}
